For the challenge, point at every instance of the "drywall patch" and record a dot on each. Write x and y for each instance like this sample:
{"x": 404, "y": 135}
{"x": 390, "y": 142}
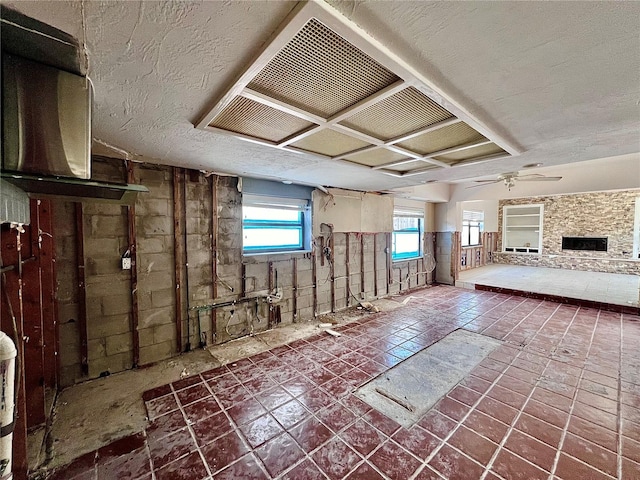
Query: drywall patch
{"x": 407, "y": 391}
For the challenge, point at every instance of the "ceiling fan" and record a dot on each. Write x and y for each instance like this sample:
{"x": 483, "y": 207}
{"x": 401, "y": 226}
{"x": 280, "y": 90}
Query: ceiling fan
{"x": 510, "y": 178}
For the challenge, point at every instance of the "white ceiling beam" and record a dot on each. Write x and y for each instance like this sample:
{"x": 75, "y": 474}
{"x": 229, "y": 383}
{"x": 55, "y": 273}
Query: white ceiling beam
{"x": 422, "y": 131}
{"x": 368, "y": 148}
{"x": 404, "y": 151}
{"x": 367, "y": 102}
{"x": 300, "y": 135}
{"x": 291, "y": 25}
{"x": 457, "y": 148}
{"x": 355, "y": 133}
{"x": 282, "y": 106}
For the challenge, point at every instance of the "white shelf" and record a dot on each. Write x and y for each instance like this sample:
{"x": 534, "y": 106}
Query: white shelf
{"x": 519, "y": 229}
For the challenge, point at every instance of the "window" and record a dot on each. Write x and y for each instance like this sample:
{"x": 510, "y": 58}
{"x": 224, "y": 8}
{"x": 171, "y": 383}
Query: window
{"x": 471, "y": 228}
{"x": 272, "y": 224}
{"x": 407, "y": 235}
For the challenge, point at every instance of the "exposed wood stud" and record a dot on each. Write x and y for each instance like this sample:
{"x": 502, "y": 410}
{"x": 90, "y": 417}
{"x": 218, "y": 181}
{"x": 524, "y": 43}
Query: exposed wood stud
{"x": 332, "y": 273}
{"x": 375, "y": 264}
{"x": 270, "y": 321}
{"x": 389, "y": 263}
{"x": 243, "y": 283}
{"x": 294, "y": 281}
{"x": 178, "y": 248}
{"x": 82, "y": 293}
{"x": 131, "y": 223}
{"x": 314, "y": 279}
{"x": 348, "y": 269}
{"x": 362, "y": 286}
{"x": 214, "y": 238}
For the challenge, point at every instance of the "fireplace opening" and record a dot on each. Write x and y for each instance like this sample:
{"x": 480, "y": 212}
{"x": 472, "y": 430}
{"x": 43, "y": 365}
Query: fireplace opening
{"x": 596, "y": 244}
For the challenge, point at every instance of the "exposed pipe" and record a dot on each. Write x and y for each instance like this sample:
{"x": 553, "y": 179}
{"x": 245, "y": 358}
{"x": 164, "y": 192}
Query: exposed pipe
{"x": 8, "y": 353}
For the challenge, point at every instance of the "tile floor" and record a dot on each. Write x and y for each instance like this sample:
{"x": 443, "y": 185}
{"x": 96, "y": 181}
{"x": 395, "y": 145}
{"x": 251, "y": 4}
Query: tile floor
{"x": 605, "y": 288}
{"x": 560, "y": 399}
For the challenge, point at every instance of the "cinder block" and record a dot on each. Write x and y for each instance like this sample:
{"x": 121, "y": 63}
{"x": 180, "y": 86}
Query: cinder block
{"x": 157, "y": 280}
{"x": 69, "y": 355}
{"x": 112, "y": 364}
{"x": 109, "y": 226}
{"x": 67, "y": 313}
{"x": 155, "y": 244}
{"x": 96, "y": 348}
{"x": 106, "y": 326}
{"x": 102, "y": 247}
{"x": 152, "y": 206}
{"x": 153, "y": 262}
{"x": 121, "y": 343}
{"x": 69, "y": 374}
{"x": 145, "y": 336}
{"x": 116, "y": 304}
{"x": 156, "y": 225}
{"x": 155, "y": 316}
{"x": 164, "y": 333}
{"x": 163, "y": 298}
{"x": 157, "y": 352}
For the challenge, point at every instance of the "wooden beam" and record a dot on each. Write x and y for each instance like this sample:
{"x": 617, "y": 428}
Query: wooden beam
{"x": 178, "y": 248}
{"x": 314, "y": 275}
{"x": 362, "y": 287}
{"x": 214, "y": 238}
{"x": 375, "y": 264}
{"x": 347, "y": 236}
{"x": 82, "y": 292}
{"x": 294, "y": 281}
{"x": 131, "y": 222}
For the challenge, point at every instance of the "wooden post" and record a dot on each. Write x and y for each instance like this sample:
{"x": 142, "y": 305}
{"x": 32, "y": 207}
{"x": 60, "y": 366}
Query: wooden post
{"x": 362, "y": 287}
{"x": 82, "y": 293}
{"x": 294, "y": 281}
{"x": 178, "y": 248}
{"x": 214, "y": 238}
{"x": 131, "y": 221}
{"x": 348, "y": 270}
{"x": 314, "y": 279}
{"x": 332, "y": 271}
{"x": 375, "y": 264}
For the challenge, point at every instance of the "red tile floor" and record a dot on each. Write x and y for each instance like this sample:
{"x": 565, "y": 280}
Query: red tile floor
{"x": 560, "y": 399}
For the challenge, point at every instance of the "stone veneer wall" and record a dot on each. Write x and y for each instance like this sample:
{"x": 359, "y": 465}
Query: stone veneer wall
{"x": 109, "y": 306}
{"x": 599, "y": 214}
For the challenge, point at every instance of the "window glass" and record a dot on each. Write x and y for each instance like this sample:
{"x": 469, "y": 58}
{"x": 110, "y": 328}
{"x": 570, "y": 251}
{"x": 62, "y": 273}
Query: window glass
{"x": 273, "y": 228}
{"x": 407, "y": 238}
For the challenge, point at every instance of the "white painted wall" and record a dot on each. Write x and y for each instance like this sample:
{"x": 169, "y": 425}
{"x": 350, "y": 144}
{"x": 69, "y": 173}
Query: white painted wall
{"x": 350, "y": 211}
{"x": 605, "y": 174}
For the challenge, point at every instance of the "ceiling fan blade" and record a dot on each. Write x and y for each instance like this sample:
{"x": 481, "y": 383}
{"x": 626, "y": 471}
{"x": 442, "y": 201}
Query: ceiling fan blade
{"x": 539, "y": 179}
{"x": 488, "y": 181}
{"x": 485, "y": 182}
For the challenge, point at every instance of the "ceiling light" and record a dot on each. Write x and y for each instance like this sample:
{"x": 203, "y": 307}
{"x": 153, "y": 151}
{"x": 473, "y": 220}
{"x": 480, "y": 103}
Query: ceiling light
{"x": 532, "y": 165}
{"x": 287, "y": 182}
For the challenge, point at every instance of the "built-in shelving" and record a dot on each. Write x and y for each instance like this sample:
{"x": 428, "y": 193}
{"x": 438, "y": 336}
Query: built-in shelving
{"x": 522, "y": 228}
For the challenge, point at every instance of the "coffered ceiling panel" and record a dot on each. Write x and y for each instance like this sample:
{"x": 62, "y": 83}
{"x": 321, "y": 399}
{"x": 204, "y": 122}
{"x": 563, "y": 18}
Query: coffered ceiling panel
{"x": 324, "y": 87}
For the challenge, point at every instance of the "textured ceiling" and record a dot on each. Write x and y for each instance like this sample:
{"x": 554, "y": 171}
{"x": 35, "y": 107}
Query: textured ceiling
{"x": 559, "y": 79}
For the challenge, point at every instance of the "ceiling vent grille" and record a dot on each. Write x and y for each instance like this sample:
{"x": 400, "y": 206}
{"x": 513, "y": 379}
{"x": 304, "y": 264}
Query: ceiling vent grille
{"x": 324, "y": 87}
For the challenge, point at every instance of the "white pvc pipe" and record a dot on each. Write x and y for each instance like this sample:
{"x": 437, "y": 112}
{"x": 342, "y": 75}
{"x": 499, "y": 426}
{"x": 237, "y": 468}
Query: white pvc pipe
{"x": 7, "y": 378}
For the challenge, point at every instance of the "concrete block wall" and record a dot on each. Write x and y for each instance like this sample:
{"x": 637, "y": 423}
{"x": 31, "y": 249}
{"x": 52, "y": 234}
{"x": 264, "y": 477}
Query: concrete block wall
{"x": 213, "y": 243}
{"x": 108, "y": 288}
{"x": 156, "y": 264}
{"x": 64, "y": 221}
{"x": 598, "y": 214}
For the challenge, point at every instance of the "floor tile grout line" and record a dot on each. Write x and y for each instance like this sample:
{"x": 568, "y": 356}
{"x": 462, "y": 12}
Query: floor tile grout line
{"x": 565, "y": 429}
{"x": 473, "y": 408}
{"x": 619, "y": 419}
{"x": 511, "y": 426}
{"x": 235, "y": 429}
{"x": 191, "y": 432}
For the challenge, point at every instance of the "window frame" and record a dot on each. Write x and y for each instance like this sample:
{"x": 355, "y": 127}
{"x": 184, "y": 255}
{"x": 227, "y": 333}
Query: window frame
{"x": 420, "y": 230}
{"x": 302, "y": 225}
{"x": 469, "y": 217}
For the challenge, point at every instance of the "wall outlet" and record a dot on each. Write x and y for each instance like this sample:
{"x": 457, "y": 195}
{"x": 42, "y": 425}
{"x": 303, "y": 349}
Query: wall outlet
{"x": 126, "y": 263}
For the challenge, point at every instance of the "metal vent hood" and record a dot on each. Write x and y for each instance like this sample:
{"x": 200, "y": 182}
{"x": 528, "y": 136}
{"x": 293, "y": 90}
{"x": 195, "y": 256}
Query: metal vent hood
{"x": 46, "y": 114}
